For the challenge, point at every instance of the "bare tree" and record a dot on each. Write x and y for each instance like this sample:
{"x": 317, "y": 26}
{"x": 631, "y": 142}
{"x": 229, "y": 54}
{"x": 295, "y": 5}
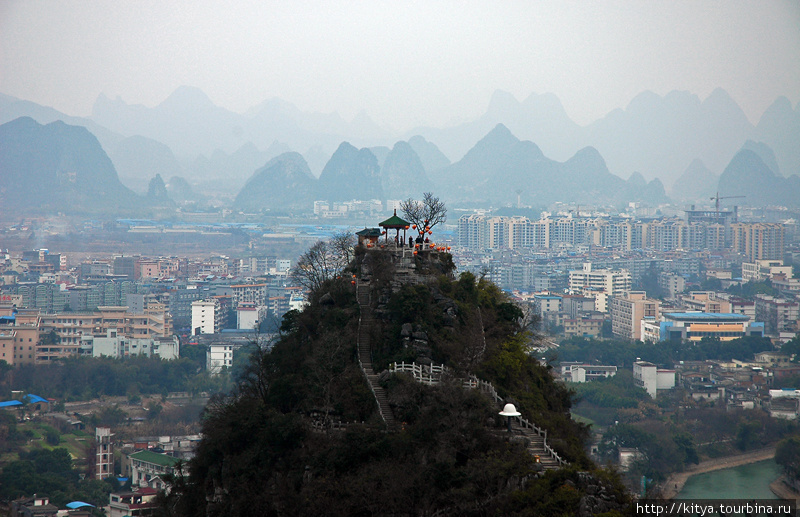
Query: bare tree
{"x": 342, "y": 246}
{"x": 324, "y": 261}
{"x": 426, "y": 213}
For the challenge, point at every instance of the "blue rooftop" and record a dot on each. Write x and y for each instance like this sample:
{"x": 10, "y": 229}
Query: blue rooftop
{"x": 10, "y": 403}
{"x": 706, "y": 316}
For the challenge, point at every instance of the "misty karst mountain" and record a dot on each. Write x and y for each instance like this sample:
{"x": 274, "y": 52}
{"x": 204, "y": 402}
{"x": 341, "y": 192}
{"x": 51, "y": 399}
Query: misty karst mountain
{"x": 157, "y": 192}
{"x": 431, "y": 157}
{"x": 779, "y": 128}
{"x": 350, "y": 174}
{"x": 696, "y": 184}
{"x": 661, "y": 136}
{"x": 284, "y": 182}
{"x": 501, "y": 167}
{"x": 747, "y": 175}
{"x": 57, "y": 167}
{"x": 180, "y": 190}
{"x": 766, "y": 154}
{"x": 402, "y": 173}
{"x": 227, "y": 173}
{"x": 137, "y": 158}
{"x": 217, "y": 150}
{"x": 12, "y": 108}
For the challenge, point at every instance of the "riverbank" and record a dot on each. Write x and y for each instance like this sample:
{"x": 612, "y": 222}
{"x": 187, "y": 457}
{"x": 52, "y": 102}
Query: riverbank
{"x": 674, "y": 483}
{"x": 784, "y": 491}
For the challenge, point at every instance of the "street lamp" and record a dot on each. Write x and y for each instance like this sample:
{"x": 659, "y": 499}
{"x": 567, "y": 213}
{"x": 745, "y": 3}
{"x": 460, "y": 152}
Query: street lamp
{"x": 508, "y": 411}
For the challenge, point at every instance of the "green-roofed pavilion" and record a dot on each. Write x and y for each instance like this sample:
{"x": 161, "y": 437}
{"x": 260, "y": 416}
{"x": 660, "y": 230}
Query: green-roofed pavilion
{"x": 368, "y": 236}
{"x": 397, "y": 223}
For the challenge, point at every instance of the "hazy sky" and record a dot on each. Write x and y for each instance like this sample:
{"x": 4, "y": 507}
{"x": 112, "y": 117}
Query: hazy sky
{"x": 404, "y": 63}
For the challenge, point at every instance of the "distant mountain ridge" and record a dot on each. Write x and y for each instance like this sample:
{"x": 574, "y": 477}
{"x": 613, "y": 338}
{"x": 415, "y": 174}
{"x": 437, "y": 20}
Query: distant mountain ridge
{"x": 501, "y": 169}
{"x": 187, "y": 135}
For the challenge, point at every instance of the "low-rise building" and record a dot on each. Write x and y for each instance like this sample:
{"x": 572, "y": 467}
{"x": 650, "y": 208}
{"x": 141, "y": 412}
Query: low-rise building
{"x": 142, "y": 501}
{"x": 582, "y": 372}
{"x": 219, "y": 356}
{"x": 762, "y": 270}
{"x": 148, "y": 468}
{"x": 694, "y": 326}
{"x": 651, "y": 378}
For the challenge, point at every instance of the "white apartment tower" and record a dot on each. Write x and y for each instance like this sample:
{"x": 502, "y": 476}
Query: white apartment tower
{"x": 206, "y": 317}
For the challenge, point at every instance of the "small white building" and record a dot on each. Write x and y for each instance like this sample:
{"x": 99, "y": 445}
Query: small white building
{"x": 651, "y": 378}
{"x": 219, "y": 355}
{"x": 574, "y": 371}
{"x": 248, "y": 315}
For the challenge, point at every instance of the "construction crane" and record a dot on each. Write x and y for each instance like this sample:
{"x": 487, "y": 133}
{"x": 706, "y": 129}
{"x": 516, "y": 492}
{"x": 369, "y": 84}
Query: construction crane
{"x": 717, "y": 198}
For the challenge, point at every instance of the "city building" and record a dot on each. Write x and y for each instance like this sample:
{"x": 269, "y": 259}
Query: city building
{"x": 141, "y": 501}
{"x": 583, "y": 326}
{"x": 759, "y": 241}
{"x": 218, "y": 356}
{"x": 148, "y": 468}
{"x": 36, "y": 506}
{"x": 206, "y": 316}
{"x": 582, "y": 372}
{"x": 104, "y": 453}
{"x": 778, "y": 314}
{"x": 651, "y": 378}
{"x": 72, "y": 330}
{"x": 628, "y": 310}
{"x": 705, "y": 301}
{"x": 761, "y": 270}
{"x": 613, "y": 282}
{"x": 694, "y": 326}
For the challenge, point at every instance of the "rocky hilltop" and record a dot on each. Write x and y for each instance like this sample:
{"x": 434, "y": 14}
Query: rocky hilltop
{"x": 311, "y": 430}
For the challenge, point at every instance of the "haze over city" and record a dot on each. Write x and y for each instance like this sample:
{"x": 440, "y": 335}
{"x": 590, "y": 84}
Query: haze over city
{"x": 404, "y": 64}
{"x": 398, "y": 258}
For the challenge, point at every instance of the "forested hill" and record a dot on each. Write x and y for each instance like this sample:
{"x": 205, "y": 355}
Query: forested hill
{"x": 275, "y": 446}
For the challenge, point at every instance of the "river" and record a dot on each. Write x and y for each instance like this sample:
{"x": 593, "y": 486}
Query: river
{"x": 749, "y": 481}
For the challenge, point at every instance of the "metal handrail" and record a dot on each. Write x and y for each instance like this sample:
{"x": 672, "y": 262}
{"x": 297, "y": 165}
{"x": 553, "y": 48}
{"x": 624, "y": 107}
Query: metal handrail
{"x": 433, "y": 374}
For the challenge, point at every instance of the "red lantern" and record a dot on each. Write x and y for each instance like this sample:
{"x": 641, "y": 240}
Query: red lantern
{"x": 432, "y": 245}
{"x": 430, "y": 232}
{"x": 414, "y": 226}
{"x": 448, "y": 248}
{"x": 353, "y": 282}
{"x": 415, "y": 252}
{"x": 406, "y": 227}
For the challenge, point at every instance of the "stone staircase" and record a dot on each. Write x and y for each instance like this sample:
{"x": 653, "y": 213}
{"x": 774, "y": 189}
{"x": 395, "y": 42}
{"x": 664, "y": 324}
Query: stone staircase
{"x": 535, "y": 445}
{"x": 534, "y": 438}
{"x": 365, "y": 356}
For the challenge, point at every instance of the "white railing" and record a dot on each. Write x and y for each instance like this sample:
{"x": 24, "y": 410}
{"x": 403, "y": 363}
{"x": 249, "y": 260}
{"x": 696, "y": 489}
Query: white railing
{"x": 433, "y": 374}
{"x": 429, "y": 375}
